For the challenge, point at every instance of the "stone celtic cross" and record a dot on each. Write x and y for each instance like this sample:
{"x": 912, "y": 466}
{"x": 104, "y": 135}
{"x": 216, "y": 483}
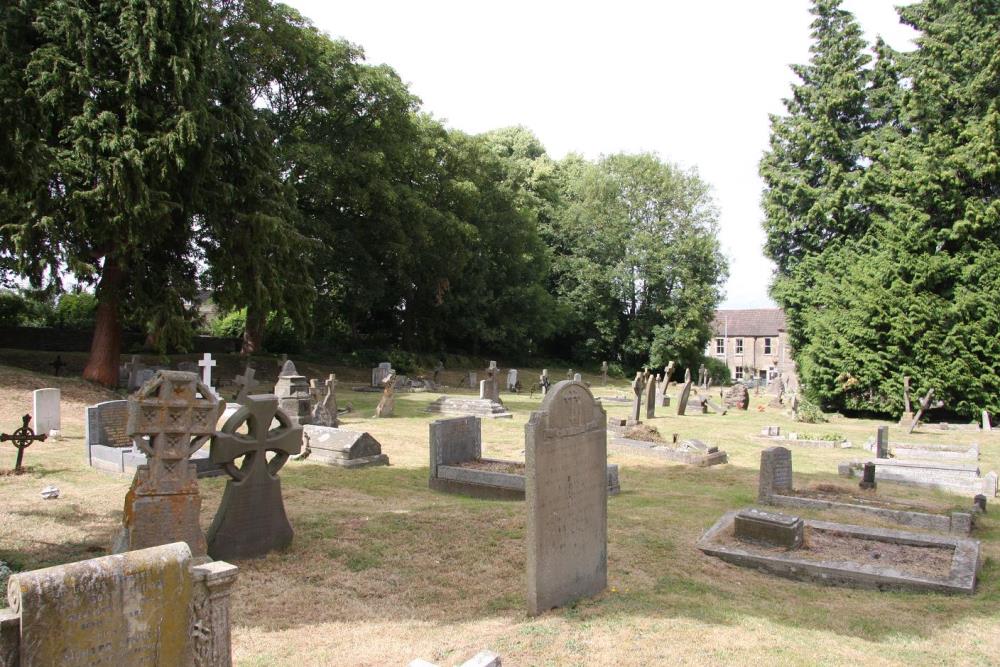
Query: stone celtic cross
{"x": 169, "y": 421}
{"x": 251, "y": 520}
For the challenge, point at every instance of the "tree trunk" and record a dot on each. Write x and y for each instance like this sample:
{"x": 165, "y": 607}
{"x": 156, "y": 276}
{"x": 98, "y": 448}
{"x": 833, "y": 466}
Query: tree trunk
{"x": 253, "y": 334}
{"x": 105, "y": 348}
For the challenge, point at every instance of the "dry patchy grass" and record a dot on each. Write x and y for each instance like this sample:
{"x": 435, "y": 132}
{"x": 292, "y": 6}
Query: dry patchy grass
{"x": 383, "y": 570}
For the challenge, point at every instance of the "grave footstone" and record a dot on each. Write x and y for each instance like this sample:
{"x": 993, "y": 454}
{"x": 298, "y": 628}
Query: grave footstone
{"x": 146, "y": 607}
{"x": 168, "y": 422}
{"x": 868, "y": 477}
{"x": 251, "y": 520}
{"x": 566, "y": 492}
{"x": 45, "y": 408}
{"x": 769, "y": 528}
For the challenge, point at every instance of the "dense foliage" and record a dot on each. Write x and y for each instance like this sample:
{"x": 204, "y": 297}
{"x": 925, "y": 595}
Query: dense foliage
{"x": 159, "y": 152}
{"x": 883, "y": 210}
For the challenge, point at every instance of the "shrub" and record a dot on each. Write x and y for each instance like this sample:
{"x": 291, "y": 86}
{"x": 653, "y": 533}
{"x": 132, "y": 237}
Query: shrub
{"x": 75, "y": 311}
{"x": 718, "y": 371}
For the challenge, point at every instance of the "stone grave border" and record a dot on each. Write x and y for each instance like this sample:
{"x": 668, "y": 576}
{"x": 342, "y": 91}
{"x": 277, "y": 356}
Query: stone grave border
{"x": 980, "y": 484}
{"x": 664, "y": 451}
{"x": 782, "y": 440}
{"x": 905, "y": 451}
{"x": 965, "y": 565}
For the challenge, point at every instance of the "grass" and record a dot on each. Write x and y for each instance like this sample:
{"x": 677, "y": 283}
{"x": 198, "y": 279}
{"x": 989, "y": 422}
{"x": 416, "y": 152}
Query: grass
{"x": 382, "y": 570}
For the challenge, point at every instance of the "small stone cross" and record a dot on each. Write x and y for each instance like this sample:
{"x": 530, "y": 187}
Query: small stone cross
{"x": 206, "y": 363}
{"x": 58, "y": 364}
{"x": 246, "y": 384}
{"x": 22, "y": 439}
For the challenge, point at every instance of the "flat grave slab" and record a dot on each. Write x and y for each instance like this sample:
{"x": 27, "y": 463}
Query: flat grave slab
{"x": 838, "y": 554}
{"x": 343, "y": 448}
{"x": 930, "y": 451}
{"x": 793, "y": 439}
{"x": 688, "y": 454}
{"x": 768, "y": 528}
{"x": 478, "y": 407}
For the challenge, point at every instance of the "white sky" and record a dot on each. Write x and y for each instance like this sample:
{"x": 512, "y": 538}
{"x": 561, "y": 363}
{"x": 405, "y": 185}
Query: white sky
{"x": 691, "y": 81}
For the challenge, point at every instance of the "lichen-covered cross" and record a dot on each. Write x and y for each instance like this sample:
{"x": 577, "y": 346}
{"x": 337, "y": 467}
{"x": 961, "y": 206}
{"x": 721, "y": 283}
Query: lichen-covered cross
{"x": 257, "y": 413}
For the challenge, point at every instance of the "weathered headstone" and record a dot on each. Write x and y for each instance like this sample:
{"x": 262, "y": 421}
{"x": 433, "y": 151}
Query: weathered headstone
{"x": 45, "y": 410}
{"x": 604, "y": 373}
{"x": 775, "y": 476}
{"x": 146, "y": 607}
{"x": 251, "y": 520}
{"x": 294, "y": 399}
{"x": 246, "y": 384}
{"x": 651, "y": 398}
{"x": 569, "y": 374}
{"x": 380, "y": 373}
{"x": 685, "y": 394}
{"x": 325, "y": 400}
{"x": 987, "y": 426}
{"x": 687, "y": 375}
{"x": 638, "y": 384}
{"x": 868, "y": 477}
{"x": 577, "y": 377}
{"x": 512, "y": 380}
{"x": 387, "y": 404}
{"x": 882, "y": 442}
{"x": 567, "y": 493}
{"x": 489, "y": 388}
{"x": 472, "y": 379}
{"x": 133, "y": 369}
{"x": 168, "y": 422}
{"x": 738, "y": 397}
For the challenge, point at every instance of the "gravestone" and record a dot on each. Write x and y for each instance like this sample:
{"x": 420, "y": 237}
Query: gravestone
{"x": 22, "y": 438}
{"x": 987, "y": 426}
{"x": 907, "y": 408}
{"x": 387, "y": 404}
{"x": 472, "y": 379}
{"x": 105, "y": 426}
{"x": 569, "y": 374}
{"x": 638, "y": 384}
{"x": 347, "y": 449}
{"x": 769, "y": 528}
{"x": 685, "y": 394}
{"x": 737, "y": 397}
{"x": 577, "y": 377}
{"x": 775, "y": 476}
{"x": 251, "y": 520}
{"x": 668, "y": 372}
{"x": 293, "y": 395}
{"x": 662, "y": 397}
{"x": 882, "y": 442}
{"x": 650, "y": 397}
{"x": 246, "y": 384}
{"x": 45, "y": 410}
{"x": 543, "y": 381}
{"x": 380, "y": 373}
{"x": 702, "y": 376}
{"x": 168, "y": 422}
{"x": 567, "y": 498}
{"x": 512, "y": 380}
{"x": 147, "y": 607}
{"x": 207, "y": 363}
{"x": 868, "y": 477}
{"x": 489, "y": 389}
{"x": 133, "y": 369}
{"x": 325, "y": 399}
{"x": 604, "y": 373}
{"x": 924, "y": 405}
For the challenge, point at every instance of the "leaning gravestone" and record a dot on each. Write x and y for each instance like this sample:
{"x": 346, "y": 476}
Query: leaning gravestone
{"x": 566, "y": 489}
{"x": 650, "y": 397}
{"x": 146, "y": 607}
{"x": 325, "y": 398}
{"x": 168, "y": 422}
{"x": 45, "y": 410}
{"x": 638, "y": 384}
{"x": 251, "y": 520}
{"x": 682, "y": 401}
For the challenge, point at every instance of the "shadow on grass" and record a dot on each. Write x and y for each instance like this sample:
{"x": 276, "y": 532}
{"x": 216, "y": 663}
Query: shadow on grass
{"x": 449, "y": 559}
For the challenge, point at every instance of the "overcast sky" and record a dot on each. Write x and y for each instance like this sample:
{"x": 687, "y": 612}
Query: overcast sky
{"x": 691, "y": 81}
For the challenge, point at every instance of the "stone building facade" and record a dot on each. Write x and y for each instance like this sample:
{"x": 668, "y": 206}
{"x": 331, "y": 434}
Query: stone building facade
{"x": 753, "y": 344}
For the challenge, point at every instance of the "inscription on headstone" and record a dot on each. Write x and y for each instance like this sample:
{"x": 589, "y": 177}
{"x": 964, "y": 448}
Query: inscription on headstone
{"x": 566, "y": 492}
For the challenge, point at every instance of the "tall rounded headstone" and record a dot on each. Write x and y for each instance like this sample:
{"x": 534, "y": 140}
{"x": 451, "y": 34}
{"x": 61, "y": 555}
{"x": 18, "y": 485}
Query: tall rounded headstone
{"x": 566, "y": 493}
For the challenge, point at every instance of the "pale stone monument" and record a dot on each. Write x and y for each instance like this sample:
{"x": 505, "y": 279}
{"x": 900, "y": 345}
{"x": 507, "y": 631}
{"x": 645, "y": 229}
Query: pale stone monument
{"x": 577, "y": 377}
{"x": 543, "y": 381}
{"x": 638, "y": 384}
{"x": 151, "y": 606}
{"x": 512, "y": 380}
{"x": 489, "y": 389}
{"x": 207, "y": 363}
{"x": 251, "y": 520}
{"x": 293, "y": 395}
{"x": 387, "y": 404}
{"x": 45, "y": 410}
{"x": 168, "y": 422}
{"x": 604, "y": 373}
{"x": 566, "y": 489}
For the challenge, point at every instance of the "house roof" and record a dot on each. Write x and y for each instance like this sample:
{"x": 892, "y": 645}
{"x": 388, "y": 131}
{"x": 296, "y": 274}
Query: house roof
{"x": 754, "y": 322}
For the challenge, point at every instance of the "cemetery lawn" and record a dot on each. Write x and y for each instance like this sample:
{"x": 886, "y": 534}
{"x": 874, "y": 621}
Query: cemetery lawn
{"x": 382, "y": 570}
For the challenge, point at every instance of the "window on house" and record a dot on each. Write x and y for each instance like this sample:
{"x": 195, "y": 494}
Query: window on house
{"x": 739, "y": 346}
{"x": 720, "y": 345}
{"x": 767, "y": 346}
{"x": 739, "y": 372}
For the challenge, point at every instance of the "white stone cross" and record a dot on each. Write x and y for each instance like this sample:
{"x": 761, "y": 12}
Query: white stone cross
{"x": 206, "y": 363}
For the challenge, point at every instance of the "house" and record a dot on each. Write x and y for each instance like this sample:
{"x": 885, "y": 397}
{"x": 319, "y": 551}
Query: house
{"x": 753, "y": 344}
